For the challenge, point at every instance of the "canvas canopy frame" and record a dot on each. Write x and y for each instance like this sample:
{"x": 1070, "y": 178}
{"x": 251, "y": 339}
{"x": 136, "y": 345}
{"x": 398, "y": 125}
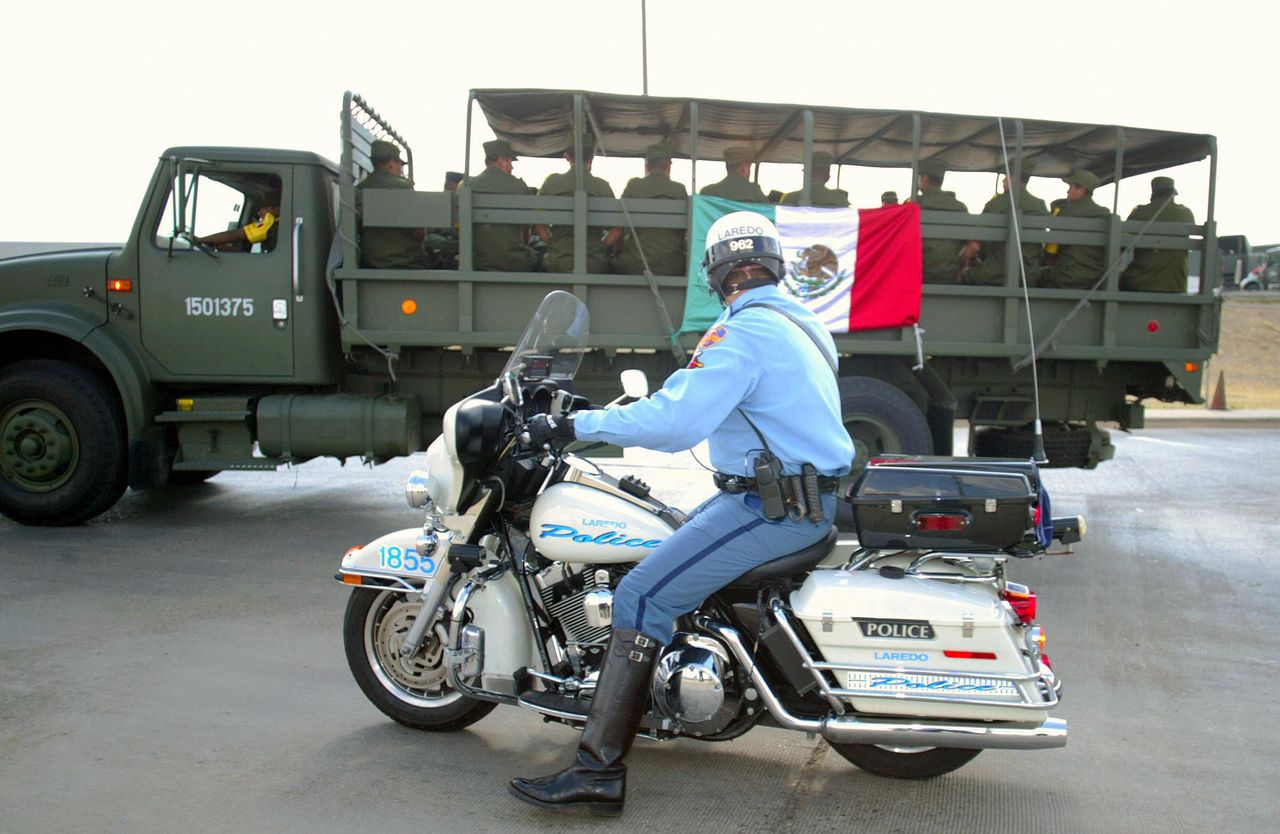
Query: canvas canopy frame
{"x": 542, "y": 123}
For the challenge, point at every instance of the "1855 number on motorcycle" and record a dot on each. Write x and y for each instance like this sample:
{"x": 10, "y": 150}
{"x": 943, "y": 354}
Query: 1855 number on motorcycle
{"x": 392, "y": 557}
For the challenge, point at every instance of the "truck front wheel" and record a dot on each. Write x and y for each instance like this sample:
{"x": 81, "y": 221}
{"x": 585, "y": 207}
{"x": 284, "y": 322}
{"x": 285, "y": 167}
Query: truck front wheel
{"x": 62, "y": 444}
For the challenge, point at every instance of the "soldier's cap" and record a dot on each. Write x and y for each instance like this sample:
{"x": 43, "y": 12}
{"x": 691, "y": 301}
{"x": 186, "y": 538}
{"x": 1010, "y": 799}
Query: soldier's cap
{"x": 1162, "y": 184}
{"x": 498, "y": 147}
{"x": 657, "y": 152}
{"x": 888, "y": 198}
{"x": 933, "y": 168}
{"x": 735, "y": 154}
{"x": 382, "y": 150}
{"x": 453, "y": 176}
{"x": 821, "y": 159}
{"x": 1084, "y": 178}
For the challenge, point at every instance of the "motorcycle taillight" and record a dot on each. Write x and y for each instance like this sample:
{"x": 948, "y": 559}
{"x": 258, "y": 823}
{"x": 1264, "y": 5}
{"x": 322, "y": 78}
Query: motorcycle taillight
{"x": 941, "y": 522}
{"x": 1022, "y": 599}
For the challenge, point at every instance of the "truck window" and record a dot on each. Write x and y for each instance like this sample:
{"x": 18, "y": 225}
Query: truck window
{"x": 218, "y": 202}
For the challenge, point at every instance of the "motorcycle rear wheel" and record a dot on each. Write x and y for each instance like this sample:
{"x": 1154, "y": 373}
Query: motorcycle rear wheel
{"x": 905, "y": 762}
{"x": 412, "y": 691}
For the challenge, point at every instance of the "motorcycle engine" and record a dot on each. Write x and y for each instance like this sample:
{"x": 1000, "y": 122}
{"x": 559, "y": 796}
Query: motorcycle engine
{"x": 695, "y": 684}
{"x": 563, "y": 589}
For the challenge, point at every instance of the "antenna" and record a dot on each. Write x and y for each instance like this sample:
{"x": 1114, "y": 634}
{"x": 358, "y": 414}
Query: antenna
{"x": 1015, "y": 187}
{"x": 644, "y": 46}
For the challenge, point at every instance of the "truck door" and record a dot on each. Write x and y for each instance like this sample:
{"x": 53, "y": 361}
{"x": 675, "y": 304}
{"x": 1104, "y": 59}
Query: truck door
{"x": 222, "y": 308}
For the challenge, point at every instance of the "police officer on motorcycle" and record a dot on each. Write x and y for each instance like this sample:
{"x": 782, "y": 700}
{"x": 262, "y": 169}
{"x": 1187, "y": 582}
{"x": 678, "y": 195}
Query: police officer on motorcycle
{"x": 761, "y": 389}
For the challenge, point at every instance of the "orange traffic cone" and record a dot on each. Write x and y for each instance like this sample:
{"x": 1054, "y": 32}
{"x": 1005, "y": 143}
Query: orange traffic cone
{"x": 1219, "y": 401}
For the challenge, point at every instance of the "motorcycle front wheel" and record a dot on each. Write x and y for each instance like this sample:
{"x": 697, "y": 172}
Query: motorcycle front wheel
{"x": 905, "y": 762}
{"x": 411, "y": 690}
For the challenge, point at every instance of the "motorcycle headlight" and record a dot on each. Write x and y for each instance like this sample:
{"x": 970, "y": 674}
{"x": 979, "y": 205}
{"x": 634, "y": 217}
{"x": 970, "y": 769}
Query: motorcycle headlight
{"x": 415, "y": 489}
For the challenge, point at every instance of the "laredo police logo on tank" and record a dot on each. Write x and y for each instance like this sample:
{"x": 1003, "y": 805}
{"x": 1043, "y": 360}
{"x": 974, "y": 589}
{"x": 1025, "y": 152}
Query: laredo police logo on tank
{"x": 896, "y": 629}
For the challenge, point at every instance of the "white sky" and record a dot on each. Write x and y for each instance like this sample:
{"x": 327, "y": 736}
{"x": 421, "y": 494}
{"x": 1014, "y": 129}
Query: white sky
{"x": 97, "y": 90}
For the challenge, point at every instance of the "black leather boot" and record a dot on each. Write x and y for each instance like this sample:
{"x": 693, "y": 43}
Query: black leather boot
{"x": 597, "y": 780}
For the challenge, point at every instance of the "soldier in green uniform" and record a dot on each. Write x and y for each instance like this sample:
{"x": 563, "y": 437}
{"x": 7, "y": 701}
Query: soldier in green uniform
{"x": 384, "y": 247}
{"x": 991, "y": 254}
{"x": 663, "y": 248}
{"x": 889, "y": 198}
{"x": 735, "y": 185}
{"x": 941, "y": 257}
{"x": 1075, "y": 266}
{"x": 559, "y": 256}
{"x": 1159, "y": 270}
{"x": 500, "y": 247}
{"x": 819, "y": 194}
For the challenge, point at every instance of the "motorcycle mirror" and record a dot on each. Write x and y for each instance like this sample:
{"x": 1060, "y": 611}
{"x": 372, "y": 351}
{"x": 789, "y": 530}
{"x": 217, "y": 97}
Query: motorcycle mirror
{"x": 635, "y": 384}
{"x": 511, "y": 389}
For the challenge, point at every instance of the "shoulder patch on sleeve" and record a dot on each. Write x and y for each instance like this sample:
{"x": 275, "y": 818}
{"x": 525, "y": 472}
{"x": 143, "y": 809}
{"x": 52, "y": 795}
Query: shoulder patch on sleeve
{"x": 710, "y": 339}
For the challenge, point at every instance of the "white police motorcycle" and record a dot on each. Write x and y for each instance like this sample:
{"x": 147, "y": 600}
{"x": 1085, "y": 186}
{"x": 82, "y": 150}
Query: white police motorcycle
{"x": 909, "y": 651}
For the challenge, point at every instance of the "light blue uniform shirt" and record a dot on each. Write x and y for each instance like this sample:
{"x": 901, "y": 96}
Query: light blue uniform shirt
{"x": 754, "y": 359}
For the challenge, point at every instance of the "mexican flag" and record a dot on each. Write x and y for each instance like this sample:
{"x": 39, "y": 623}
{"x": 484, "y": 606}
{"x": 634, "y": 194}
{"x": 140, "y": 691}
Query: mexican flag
{"x": 855, "y": 269}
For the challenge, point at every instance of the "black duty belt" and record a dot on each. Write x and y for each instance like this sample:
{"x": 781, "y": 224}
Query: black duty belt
{"x": 734, "y": 484}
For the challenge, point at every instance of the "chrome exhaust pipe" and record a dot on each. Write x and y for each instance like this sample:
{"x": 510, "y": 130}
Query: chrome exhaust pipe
{"x": 850, "y": 729}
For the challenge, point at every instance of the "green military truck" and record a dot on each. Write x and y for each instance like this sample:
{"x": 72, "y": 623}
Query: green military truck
{"x": 166, "y": 361}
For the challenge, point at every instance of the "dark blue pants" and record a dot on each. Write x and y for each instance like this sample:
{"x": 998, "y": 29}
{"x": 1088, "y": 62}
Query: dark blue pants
{"x": 724, "y": 538}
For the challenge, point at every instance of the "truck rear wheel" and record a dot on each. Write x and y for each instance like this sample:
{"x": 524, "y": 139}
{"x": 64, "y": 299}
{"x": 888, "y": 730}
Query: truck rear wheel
{"x": 63, "y": 456}
{"x": 880, "y": 419}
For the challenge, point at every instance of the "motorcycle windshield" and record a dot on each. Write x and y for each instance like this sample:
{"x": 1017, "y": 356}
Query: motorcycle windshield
{"x": 557, "y": 332}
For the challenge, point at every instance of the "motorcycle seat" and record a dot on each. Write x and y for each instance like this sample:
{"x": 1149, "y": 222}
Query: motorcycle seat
{"x": 793, "y": 563}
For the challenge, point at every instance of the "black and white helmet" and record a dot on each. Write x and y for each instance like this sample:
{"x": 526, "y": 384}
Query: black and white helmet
{"x": 742, "y": 237}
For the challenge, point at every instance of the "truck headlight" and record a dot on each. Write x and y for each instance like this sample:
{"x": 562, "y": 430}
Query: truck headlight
{"x": 415, "y": 489}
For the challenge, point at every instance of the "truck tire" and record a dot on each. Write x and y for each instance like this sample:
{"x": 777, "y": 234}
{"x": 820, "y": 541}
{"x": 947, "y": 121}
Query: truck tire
{"x": 880, "y": 419}
{"x": 63, "y": 452}
{"x": 1066, "y": 447}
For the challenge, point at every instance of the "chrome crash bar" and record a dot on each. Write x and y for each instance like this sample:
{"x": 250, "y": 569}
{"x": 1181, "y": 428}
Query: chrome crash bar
{"x": 850, "y": 729}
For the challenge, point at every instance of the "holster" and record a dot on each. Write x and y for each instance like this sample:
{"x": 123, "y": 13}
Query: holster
{"x": 802, "y": 495}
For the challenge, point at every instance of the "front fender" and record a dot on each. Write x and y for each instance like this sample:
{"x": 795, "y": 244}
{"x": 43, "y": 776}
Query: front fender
{"x": 388, "y": 561}
{"x": 61, "y": 319}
